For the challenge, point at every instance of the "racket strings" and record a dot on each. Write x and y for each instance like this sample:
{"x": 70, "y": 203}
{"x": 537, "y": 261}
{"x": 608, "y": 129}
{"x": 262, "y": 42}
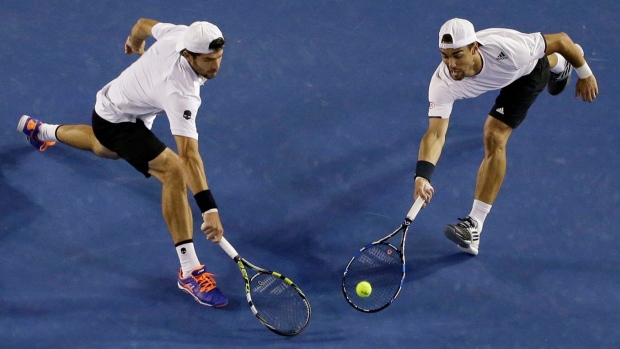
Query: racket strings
{"x": 379, "y": 256}
{"x": 382, "y": 267}
{"x": 279, "y": 304}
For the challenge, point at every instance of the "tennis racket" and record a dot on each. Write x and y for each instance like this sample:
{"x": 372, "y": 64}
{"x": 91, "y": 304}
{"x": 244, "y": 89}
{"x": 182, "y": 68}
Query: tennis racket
{"x": 382, "y": 265}
{"x": 275, "y": 300}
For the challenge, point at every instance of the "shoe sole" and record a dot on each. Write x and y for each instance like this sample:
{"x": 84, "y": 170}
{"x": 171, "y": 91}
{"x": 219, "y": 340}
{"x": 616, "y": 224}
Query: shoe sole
{"x": 20, "y": 128}
{"x": 554, "y": 90}
{"x": 198, "y": 300}
{"x": 453, "y": 236}
{"x": 22, "y": 123}
{"x": 469, "y": 250}
{"x": 580, "y": 50}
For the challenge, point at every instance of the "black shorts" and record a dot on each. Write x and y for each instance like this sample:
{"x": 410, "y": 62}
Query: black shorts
{"x": 133, "y": 142}
{"x": 514, "y": 100}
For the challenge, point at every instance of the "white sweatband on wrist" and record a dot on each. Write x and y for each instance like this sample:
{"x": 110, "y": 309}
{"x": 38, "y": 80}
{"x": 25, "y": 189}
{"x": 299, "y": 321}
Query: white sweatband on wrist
{"x": 210, "y": 211}
{"x": 584, "y": 71}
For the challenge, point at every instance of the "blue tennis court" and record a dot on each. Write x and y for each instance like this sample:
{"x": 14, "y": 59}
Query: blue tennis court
{"x": 310, "y": 135}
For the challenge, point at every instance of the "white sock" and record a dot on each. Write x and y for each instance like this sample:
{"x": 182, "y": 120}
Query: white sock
{"x": 479, "y": 212}
{"x": 47, "y": 133}
{"x": 187, "y": 257}
{"x": 580, "y": 49}
{"x": 559, "y": 67}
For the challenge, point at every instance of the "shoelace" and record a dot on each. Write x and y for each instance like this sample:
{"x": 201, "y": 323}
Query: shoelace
{"x": 206, "y": 281}
{"x": 467, "y": 223}
{"x": 470, "y": 225}
{"x": 44, "y": 145}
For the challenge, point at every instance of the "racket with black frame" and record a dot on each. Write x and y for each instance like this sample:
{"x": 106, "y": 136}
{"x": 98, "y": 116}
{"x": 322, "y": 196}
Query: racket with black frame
{"x": 381, "y": 264}
{"x": 275, "y": 300}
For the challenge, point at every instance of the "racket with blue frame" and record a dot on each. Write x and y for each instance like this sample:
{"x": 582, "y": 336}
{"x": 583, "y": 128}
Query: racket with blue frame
{"x": 381, "y": 264}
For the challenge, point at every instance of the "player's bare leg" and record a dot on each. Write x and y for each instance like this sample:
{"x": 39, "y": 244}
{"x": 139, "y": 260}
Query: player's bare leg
{"x": 199, "y": 284}
{"x": 168, "y": 169}
{"x": 82, "y": 137}
{"x": 493, "y": 167}
{"x": 553, "y": 60}
{"x": 466, "y": 234}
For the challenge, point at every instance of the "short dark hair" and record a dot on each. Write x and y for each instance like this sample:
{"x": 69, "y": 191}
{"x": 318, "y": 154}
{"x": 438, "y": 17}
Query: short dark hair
{"x": 215, "y": 45}
{"x": 447, "y": 38}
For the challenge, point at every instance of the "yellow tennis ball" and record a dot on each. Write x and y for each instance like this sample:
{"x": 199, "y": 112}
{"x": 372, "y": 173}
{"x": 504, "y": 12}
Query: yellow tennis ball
{"x": 363, "y": 289}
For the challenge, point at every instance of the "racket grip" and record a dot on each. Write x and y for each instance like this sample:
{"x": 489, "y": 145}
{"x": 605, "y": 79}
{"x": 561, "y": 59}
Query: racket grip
{"x": 413, "y": 212}
{"x": 227, "y": 247}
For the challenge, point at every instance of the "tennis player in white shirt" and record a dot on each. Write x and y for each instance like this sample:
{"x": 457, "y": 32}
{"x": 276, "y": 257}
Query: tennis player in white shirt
{"x": 520, "y": 65}
{"x": 165, "y": 80}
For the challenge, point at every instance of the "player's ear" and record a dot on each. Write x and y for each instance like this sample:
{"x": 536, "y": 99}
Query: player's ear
{"x": 474, "y": 48}
{"x": 186, "y": 54}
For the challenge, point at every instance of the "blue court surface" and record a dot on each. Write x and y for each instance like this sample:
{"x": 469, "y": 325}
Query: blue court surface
{"x": 310, "y": 135}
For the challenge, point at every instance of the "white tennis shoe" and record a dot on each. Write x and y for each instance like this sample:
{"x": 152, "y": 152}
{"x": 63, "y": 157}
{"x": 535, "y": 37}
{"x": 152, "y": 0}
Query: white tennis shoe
{"x": 465, "y": 235}
{"x": 558, "y": 81}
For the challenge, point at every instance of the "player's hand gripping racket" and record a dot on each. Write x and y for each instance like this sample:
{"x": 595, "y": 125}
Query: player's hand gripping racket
{"x": 382, "y": 265}
{"x": 275, "y": 300}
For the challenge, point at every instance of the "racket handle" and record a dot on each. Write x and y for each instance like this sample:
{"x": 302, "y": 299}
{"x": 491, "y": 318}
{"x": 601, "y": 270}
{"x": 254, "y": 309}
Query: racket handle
{"x": 227, "y": 247}
{"x": 413, "y": 212}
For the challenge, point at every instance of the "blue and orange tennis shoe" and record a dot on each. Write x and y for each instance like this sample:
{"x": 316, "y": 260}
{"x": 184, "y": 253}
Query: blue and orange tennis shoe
{"x": 30, "y": 127}
{"x": 201, "y": 285}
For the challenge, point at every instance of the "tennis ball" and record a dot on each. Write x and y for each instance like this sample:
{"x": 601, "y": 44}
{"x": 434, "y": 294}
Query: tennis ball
{"x": 363, "y": 289}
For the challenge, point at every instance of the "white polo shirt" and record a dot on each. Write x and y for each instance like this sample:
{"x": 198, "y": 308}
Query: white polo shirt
{"x": 160, "y": 81}
{"x": 506, "y": 55}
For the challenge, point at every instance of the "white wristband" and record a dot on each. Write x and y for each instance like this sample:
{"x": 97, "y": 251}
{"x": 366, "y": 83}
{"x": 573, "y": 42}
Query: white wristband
{"x": 584, "y": 71}
{"x": 210, "y": 211}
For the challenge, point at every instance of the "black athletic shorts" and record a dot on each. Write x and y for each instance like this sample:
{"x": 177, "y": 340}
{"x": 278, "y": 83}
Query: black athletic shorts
{"x": 514, "y": 100}
{"x": 133, "y": 142}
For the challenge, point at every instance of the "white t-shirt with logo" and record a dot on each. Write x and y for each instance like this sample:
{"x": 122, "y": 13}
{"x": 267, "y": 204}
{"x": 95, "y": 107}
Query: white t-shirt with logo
{"x": 160, "y": 81}
{"x": 506, "y": 55}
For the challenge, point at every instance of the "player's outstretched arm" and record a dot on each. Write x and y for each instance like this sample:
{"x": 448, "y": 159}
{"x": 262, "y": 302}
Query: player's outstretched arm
{"x": 561, "y": 43}
{"x": 136, "y": 39}
{"x": 197, "y": 182}
{"x": 428, "y": 155}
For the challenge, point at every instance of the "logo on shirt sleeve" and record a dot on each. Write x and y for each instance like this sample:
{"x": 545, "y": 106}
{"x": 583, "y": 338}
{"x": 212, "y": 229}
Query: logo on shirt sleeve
{"x": 187, "y": 115}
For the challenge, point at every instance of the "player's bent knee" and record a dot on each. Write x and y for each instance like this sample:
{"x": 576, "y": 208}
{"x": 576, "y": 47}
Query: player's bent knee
{"x": 167, "y": 167}
{"x": 494, "y": 142}
{"x": 496, "y": 134}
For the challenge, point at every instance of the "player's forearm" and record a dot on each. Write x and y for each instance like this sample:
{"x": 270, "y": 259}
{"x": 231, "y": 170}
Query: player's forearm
{"x": 197, "y": 183}
{"x": 195, "y": 174}
{"x": 430, "y": 147}
{"x": 561, "y": 43}
{"x": 141, "y": 30}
